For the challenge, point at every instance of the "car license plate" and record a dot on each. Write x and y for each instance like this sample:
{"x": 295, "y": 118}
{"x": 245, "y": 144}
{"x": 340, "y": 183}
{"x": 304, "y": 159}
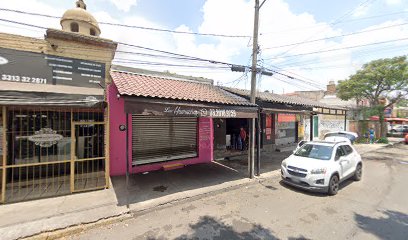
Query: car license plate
{"x": 295, "y": 180}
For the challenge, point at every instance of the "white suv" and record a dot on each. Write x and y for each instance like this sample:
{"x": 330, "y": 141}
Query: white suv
{"x": 321, "y": 166}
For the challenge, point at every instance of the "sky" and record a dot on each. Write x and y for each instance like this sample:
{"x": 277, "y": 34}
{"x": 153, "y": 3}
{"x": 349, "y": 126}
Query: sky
{"x": 306, "y": 42}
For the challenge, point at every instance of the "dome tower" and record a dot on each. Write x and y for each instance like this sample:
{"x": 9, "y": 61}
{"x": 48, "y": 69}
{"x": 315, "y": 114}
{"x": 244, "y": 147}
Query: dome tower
{"x": 80, "y": 21}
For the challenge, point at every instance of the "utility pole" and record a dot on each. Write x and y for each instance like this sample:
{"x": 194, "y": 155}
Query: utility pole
{"x": 251, "y": 156}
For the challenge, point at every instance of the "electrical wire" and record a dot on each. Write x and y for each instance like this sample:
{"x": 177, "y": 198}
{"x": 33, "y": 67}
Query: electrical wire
{"x": 335, "y": 22}
{"x": 337, "y": 36}
{"x": 132, "y": 26}
{"x": 321, "y": 24}
{"x": 343, "y": 48}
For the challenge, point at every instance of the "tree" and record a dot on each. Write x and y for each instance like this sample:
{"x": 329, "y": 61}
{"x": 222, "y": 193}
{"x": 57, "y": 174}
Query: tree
{"x": 378, "y": 80}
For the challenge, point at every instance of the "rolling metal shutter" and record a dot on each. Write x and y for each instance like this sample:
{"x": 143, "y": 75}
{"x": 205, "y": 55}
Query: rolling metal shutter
{"x": 159, "y": 139}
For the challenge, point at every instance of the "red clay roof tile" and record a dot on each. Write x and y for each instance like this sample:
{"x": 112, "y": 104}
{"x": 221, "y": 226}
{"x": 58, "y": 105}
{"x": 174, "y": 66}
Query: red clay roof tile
{"x": 133, "y": 84}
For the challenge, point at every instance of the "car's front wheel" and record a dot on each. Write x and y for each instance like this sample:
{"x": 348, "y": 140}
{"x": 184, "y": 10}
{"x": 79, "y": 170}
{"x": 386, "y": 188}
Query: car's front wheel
{"x": 333, "y": 185}
{"x": 358, "y": 173}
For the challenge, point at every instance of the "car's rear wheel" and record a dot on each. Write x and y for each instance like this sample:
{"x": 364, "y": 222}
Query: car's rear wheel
{"x": 333, "y": 185}
{"x": 358, "y": 173}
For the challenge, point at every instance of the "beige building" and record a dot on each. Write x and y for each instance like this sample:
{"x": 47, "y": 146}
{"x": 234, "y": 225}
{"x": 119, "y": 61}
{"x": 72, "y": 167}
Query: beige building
{"x": 53, "y": 122}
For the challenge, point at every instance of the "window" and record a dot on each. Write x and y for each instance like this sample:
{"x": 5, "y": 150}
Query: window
{"x": 320, "y": 152}
{"x": 347, "y": 149}
{"x": 74, "y": 27}
{"x": 339, "y": 153}
{"x": 92, "y": 32}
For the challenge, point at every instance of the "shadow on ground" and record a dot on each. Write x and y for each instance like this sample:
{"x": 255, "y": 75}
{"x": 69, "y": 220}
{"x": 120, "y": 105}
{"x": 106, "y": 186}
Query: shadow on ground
{"x": 153, "y": 185}
{"x": 210, "y": 228}
{"x": 393, "y": 225}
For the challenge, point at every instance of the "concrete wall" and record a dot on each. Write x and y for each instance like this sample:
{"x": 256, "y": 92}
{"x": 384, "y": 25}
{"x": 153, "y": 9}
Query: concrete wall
{"x": 118, "y": 140}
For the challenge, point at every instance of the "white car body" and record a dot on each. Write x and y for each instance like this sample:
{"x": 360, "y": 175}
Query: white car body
{"x": 339, "y": 137}
{"x": 315, "y": 174}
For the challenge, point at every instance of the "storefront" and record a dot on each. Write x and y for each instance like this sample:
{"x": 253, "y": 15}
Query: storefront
{"x": 166, "y": 123}
{"x": 53, "y": 120}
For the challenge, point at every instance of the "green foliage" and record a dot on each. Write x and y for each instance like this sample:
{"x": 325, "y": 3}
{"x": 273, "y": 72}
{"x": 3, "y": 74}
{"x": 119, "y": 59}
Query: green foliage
{"x": 382, "y": 140}
{"x": 403, "y": 103}
{"x": 375, "y": 80}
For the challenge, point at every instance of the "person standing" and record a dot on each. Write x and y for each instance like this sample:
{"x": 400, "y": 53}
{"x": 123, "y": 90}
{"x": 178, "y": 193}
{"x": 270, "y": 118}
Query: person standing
{"x": 242, "y": 136}
{"x": 372, "y": 135}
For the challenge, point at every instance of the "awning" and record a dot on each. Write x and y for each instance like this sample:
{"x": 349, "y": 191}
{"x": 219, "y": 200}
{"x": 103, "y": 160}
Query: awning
{"x": 50, "y": 99}
{"x": 21, "y": 94}
{"x": 155, "y": 107}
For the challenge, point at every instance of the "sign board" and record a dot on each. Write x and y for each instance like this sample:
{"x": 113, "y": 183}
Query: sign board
{"x": 190, "y": 110}
{"x": 37, "y": 68}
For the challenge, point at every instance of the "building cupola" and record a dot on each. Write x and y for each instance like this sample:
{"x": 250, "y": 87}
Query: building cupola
{"x": 79, "y": 20}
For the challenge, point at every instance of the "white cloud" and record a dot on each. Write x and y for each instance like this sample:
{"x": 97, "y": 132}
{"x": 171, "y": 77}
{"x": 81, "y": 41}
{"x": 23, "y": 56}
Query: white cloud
{"x": 361, "y": 11}
{"x": 124, "y": 5}
{"x": 278, "y": 25}
{"x": 393, "y": 2}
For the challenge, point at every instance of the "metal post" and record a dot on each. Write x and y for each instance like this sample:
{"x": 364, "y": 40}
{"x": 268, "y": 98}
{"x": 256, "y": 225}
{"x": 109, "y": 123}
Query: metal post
{"x": 345, "y": 120}
{"x": 4, "y": 139}
{"x": 258, "y": 149}
{"x": 311, "y": 127}
{"x": 253, "y": 87}
{"x": 127, "y": 151}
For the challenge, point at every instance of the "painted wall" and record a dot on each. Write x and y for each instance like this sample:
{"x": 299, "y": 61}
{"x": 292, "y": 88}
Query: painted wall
{"x": 118, "y": 140}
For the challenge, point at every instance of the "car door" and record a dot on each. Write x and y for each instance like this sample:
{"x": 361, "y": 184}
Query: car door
{"x": 342, "y": 160}
{"x": 347, "y": 160}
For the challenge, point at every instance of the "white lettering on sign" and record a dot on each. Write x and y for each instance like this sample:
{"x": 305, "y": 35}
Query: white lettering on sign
{"x": 59, "y": 65}
{"x": 222, "y": 113}
{"x": 62, "y": 72}
{"x": 90, "y": 75}
{"x": 91, "y": 64}
{"x": 58, "y": 59}
{"x": 202, "y": 112}
{"x": 24, "y": 79}
{"x": 45, "y": 137}
{"x": 62, "y": 78}
{"x": 89, "y": 69}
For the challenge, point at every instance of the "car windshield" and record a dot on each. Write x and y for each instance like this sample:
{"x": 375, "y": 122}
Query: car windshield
{"x": 349, "y": 136}
{"x": 315, "y": 151}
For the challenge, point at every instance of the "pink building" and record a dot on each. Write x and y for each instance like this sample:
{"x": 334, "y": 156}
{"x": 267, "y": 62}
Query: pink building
{"x": 158, "y": 123}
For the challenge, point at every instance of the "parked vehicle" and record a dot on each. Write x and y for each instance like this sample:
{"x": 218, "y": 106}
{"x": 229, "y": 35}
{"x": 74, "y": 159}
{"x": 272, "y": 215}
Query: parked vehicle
{"x": 341, "y": 136}
{"x": 322, "y": 166}
{"x": 400, "y": 129}
{"x": 406, "y": 138}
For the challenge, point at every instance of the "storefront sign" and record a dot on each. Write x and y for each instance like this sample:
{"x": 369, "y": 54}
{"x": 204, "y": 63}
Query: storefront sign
{"x": 37, "y": 68}
{"x": 204, "y": 112}
{"x": 189, "y": 110}
{"x": 45, "y": 137}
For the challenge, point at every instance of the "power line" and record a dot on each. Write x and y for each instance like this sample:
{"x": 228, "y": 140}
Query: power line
{"x": 365, "y": 52}
{"x": 132, "y": 26}
{"x": 337, "y": 49}
{"x": 350, "y": 20}
{"x": 331, "y": 24}
{"x": 332, "y": 37}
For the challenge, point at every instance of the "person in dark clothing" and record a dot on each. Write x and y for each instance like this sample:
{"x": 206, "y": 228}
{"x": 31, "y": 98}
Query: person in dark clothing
{"x": 243, "y": 136}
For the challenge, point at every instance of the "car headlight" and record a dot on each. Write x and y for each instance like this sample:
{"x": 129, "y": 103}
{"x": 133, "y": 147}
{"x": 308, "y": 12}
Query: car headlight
{"x": 318, "y": 171}
{"x": 284, "y": 164}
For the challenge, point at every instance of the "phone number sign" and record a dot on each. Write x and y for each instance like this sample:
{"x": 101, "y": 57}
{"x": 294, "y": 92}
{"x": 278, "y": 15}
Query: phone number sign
{"x": 37, "y": 68}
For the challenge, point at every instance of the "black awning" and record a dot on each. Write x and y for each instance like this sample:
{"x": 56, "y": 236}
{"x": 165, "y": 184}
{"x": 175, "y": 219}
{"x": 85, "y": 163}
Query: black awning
{"x": 156, "y": 107}
{"x": 50, "y": 99}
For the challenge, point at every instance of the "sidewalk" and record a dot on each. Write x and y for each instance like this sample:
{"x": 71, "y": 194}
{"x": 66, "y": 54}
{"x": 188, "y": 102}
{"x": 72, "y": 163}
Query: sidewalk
{"x": 144, "y": 193}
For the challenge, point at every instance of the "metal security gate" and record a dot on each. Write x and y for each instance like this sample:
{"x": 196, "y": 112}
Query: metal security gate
{"x": 159, "y": 139}
{"x": 49, "y": 152}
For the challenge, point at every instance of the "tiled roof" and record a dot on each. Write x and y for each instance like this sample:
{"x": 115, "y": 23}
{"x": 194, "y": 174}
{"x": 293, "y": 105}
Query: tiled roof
{"x": 133, "y": 84}
{"x": 276, "y": 98}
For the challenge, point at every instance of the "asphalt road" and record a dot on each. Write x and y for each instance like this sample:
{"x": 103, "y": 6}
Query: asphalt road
{"x": 374, "y": 208}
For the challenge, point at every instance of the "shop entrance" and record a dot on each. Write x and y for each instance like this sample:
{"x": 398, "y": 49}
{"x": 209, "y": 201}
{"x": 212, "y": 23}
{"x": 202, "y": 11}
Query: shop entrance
{"x": 227, "y": 137}
{"x": 49, "y": 152}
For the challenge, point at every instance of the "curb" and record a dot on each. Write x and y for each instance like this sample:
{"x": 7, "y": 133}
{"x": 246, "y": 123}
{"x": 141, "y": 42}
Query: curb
{"x": 83, "y": 226}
